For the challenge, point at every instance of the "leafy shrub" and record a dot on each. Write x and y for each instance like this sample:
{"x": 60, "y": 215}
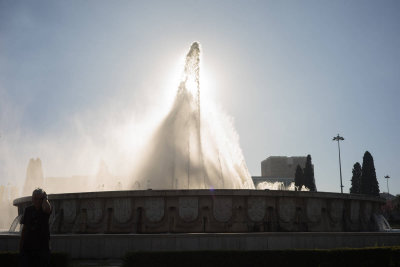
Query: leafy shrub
{"x": 11, "y": 259}
{"x": 379, "y": 256}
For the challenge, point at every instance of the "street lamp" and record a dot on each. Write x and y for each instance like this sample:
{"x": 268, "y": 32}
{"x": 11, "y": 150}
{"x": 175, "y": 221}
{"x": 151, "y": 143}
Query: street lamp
{"x": 338, "y": 138}
{"x": 387, "y": 182}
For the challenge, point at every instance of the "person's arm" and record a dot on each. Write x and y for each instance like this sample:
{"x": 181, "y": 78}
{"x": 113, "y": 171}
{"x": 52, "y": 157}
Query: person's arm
{"x": 21, "y": 241}
{"x": 23, "y": 231}
{"x": 46, "y": 207}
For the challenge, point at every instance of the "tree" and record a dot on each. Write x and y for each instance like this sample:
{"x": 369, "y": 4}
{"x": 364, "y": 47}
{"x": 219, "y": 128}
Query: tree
{"x": 299, "y": 177}
{"x": 355, "y": 180}
{"x": 368, "y": 182}
{"x": 309, "y": 180}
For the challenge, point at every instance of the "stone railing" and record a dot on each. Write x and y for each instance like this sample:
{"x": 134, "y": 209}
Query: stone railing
{"x": 212, "y": 211}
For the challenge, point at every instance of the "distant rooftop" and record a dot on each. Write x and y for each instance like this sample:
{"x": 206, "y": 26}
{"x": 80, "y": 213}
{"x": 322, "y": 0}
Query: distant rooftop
{"x": 281, "y": 166}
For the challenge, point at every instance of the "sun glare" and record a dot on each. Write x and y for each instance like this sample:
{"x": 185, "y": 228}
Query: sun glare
{"x": 207, "y": 83}
{"x": 176, "y": 75}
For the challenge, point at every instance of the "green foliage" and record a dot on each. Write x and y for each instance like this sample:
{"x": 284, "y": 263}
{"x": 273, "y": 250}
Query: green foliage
{"x": 299, "y": 177}
{"x": 11, "y": 259}
{"x": 368, "y": 182}
{"x": 60, "y": 259}
{"x": 309, "y": 180}
{"x": 380, "y": 256}
{"x": 355, "y": 179}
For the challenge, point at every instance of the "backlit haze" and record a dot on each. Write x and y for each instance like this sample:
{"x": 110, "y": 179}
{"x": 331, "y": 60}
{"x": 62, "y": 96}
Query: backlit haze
{"x": 85, "y": 82}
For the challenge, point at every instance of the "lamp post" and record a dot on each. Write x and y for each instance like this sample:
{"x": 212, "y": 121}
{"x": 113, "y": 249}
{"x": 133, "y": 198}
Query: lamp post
{"x": 387, "y": 182}
{"x": 339, "y": 138}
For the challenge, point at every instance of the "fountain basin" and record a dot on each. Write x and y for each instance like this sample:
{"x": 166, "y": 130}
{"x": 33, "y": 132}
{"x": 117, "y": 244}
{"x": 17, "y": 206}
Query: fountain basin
{"x": 209, "y": 211}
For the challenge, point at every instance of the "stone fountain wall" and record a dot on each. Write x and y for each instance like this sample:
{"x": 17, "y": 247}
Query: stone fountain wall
{"x": 211, "y": 211}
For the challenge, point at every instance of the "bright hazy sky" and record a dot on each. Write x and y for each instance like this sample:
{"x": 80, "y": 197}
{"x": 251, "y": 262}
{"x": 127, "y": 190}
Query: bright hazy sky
{"x": 75, "y": 76}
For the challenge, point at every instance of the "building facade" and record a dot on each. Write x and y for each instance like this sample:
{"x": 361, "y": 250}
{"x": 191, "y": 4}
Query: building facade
{"x": 279, "y": 169}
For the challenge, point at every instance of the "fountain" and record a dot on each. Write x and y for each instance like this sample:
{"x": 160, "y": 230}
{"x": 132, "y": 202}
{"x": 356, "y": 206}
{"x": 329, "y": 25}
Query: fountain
{"x": 186, "y": 151}
{"x": 200, "y": 184}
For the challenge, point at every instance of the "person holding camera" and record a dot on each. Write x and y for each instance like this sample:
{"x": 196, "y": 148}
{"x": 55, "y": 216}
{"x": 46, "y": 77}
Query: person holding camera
{"x": 35, "y": 236}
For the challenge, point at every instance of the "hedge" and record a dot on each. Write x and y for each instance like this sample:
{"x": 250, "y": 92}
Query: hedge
{"x": 377, "y": 256}
{"x": 11, "y": 259}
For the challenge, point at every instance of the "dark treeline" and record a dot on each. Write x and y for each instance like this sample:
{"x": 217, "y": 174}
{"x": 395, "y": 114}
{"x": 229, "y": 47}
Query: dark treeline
{"x": 305, "y": 177}
{"x": 364, "y": 179}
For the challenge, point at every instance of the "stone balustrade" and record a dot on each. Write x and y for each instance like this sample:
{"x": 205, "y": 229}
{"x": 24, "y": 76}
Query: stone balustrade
{"x": 209, "y": 211}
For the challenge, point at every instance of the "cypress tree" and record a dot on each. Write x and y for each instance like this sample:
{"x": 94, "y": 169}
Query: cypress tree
{"x": 309, "y": 180}
{"x": 299, "y": 177}
{"x": 355, "y": 179}
{"x": 369, "y": 183}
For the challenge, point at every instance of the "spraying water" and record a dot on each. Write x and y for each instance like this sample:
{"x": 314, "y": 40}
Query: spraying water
{"x": 193, "y": 148}
{"x": 280, "y": 186}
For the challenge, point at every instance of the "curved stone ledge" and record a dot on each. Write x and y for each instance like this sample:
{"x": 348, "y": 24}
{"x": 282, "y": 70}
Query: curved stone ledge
{"x": 211, "y": 211}
{"x": 113, "y": 246}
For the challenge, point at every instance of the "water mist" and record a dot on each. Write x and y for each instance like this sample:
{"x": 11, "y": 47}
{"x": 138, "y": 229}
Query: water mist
{"x": 193, "y": 147}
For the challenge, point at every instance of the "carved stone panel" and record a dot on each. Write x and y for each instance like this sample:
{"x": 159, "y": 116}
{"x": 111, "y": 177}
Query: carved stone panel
{"x": 256, "y": 208}
{"x": 94, "y": 210}
{"x": 154, "y": 208}
{"x": 69, "y": 208}
{"x": 336, "y": 210}
{"x": 188, "y": 208}
{"x": 122, "y": 209}
{"x": 287, "y": 208}
{"x": 367, "y": 210}
{"x": 222, "y": 208}
{"x": 354, "y": 210}
{"x": 314, "y": 209}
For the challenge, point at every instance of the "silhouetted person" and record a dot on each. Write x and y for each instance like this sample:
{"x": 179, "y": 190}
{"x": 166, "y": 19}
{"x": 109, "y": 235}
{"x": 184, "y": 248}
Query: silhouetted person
{"x": 35, "y": 235}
